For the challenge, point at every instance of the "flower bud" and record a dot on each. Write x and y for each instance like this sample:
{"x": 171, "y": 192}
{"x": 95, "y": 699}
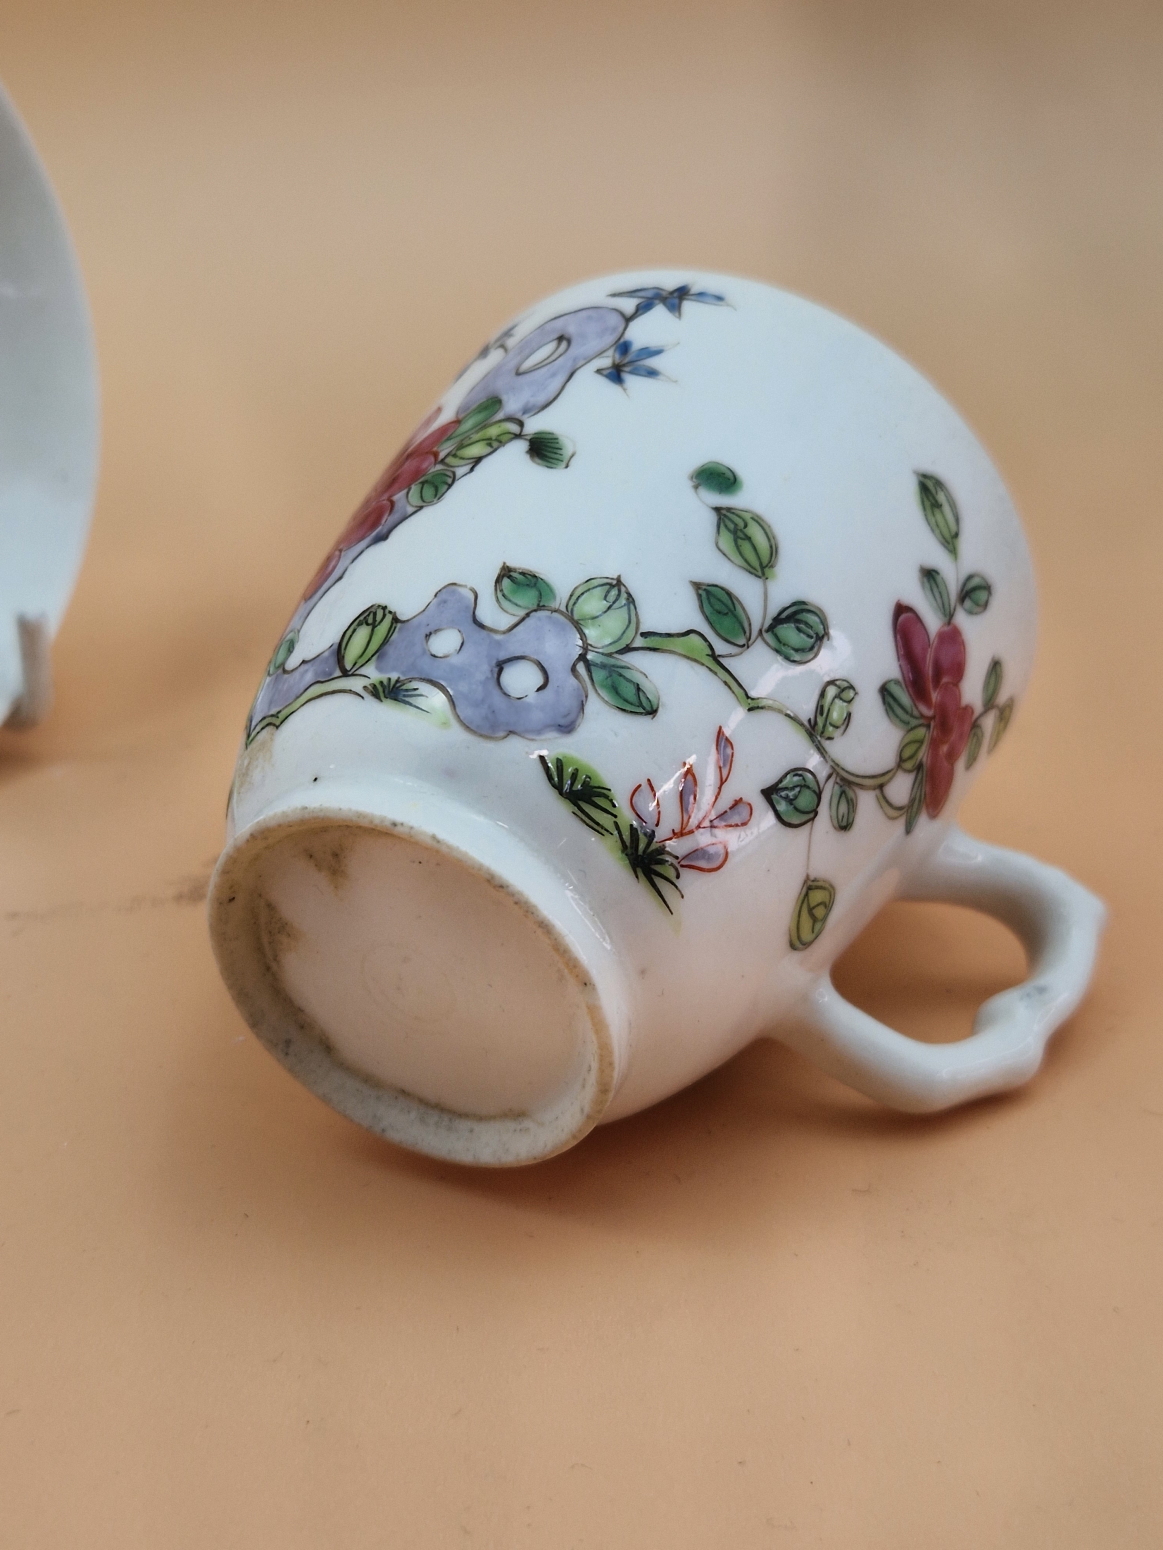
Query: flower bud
{"x": 811, "y": 912}
{"x": 794, "y": 798}
{"x": 798, "y": 632}
{"x": 842, "y": 807}
{"x": 834, "y": 708}
{"x": 283, "y": 653}
{"x": 605, "y": 612}
{"x": 364, "y": 636}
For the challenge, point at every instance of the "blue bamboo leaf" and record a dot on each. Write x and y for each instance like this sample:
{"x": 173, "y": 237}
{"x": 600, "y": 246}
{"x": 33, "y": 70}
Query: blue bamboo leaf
{"x": 650, "y": 296}
{"x": 645, "y": 353}
{"x": 622, "y": 349}
{"x": 642, "y": 371}
{"x": 611, "y": 374}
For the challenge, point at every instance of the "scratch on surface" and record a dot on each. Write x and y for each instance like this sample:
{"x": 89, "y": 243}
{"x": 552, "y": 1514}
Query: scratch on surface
{"x": 186, "y": 890}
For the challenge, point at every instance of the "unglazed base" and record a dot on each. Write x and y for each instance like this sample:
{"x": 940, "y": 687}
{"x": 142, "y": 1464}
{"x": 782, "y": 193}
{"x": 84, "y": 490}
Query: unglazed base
{"x": 412, "y": 989}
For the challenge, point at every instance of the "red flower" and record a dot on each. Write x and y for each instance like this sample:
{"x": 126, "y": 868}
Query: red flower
{"x": 932, "y": 672}
{"x": 412, "y": 462}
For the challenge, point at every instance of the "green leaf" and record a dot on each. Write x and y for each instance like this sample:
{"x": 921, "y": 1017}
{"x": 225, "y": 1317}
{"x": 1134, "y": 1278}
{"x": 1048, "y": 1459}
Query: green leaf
{"x": 833, "y": 708}
{"x": 472, "y": 421}
{"x": 888, "y": 807}
{"x": 1000, "y": 722}
{"x": 797, "y": 633}
{"x": 549, "y": 450}
{"x": 937, "y": 591}
{"x": 434, "y": 485}
{"x": 940, "y": 511}
{"x": 622, "y": 685}
{"x": 899, "y": 705}
{"x": 520, "y": 591}
{"x": 746, "y": 540}
{"x": 411, "y": 692}
{"x": 975, "y": 594}
{"x": 811, "y": 912}
{"x": 723, "y": 612}
{"x": 604, "y": 611}
{"x": 590, "y": 797}
{"x": 842, "y": 807}
{"x": 916, "y": 800}
{"x": 794, "y": 798}
{"x": 650, "y": 861}
{"x": 364, "y": 636}
{"x": 483, "y": 442}
{"x": 912, "y": 748}
{"x": 973, "y": 748}
{"x": 717, "y": 479}
{"x": 282, "y": 652}
{"x": 992, "y": 683}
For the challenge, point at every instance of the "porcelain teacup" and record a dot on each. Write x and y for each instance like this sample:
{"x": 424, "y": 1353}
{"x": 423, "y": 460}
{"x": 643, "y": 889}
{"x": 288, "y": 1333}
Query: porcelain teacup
{"x": 656, "y": 662}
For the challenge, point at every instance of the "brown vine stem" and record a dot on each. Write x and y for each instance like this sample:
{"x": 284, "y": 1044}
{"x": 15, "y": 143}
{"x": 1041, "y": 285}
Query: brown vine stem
{"x": 353, "y": 683}
{"x": 695, "y": 646}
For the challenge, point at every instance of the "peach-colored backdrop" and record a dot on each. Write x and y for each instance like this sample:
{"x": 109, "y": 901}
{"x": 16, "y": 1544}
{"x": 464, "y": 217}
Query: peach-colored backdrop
{"x": 766, "y": 1313}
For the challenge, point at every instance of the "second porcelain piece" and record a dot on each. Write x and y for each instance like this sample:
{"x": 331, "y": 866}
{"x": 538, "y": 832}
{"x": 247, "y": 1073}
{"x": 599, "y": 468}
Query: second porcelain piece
{"x": 653, "y": 666}
{"x": 48, "y": 423}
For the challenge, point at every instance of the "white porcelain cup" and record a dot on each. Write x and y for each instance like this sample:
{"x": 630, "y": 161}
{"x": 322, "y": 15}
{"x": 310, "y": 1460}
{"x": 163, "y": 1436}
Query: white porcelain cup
{"x": 653, "y": 666}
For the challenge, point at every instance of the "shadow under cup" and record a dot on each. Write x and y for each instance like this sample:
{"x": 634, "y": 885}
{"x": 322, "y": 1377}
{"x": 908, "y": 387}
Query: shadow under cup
{"x": 416, "y": 987}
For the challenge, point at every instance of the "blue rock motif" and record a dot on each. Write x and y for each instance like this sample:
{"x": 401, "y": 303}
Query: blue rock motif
{"x": 569, "y": 342}
{"x": 471, "y": 673}
{"x": 547, "y": 694}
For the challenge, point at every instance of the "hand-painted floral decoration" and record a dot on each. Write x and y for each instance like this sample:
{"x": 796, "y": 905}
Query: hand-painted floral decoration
{"x": 925, "y": 702}
{"x": 533, "y": 371}
{"x": 520, "y": 680}
{"x": 695, "y": 841}
{"x": 651, "y": 296}
{"x": 535, "y": 678}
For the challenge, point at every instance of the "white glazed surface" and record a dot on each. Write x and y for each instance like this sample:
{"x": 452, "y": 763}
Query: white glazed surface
{"x": 827, "y": 430}
{"x": 48, "y": 404}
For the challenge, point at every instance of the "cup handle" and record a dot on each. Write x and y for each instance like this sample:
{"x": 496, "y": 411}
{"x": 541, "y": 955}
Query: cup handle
{"x": 1058, "y": 921}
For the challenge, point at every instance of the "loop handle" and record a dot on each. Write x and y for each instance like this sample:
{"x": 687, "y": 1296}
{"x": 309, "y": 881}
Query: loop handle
{"x": 1058, "y": 921}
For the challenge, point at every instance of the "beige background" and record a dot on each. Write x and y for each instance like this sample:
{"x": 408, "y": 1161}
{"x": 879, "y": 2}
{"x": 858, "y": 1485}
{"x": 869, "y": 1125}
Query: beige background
{"x": 766, "y": 1313}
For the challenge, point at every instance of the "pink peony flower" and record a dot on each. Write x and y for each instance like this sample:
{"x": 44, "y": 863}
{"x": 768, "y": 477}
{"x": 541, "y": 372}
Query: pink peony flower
{"x": 932, "y": 670}
{"x": 412, "y": 462}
